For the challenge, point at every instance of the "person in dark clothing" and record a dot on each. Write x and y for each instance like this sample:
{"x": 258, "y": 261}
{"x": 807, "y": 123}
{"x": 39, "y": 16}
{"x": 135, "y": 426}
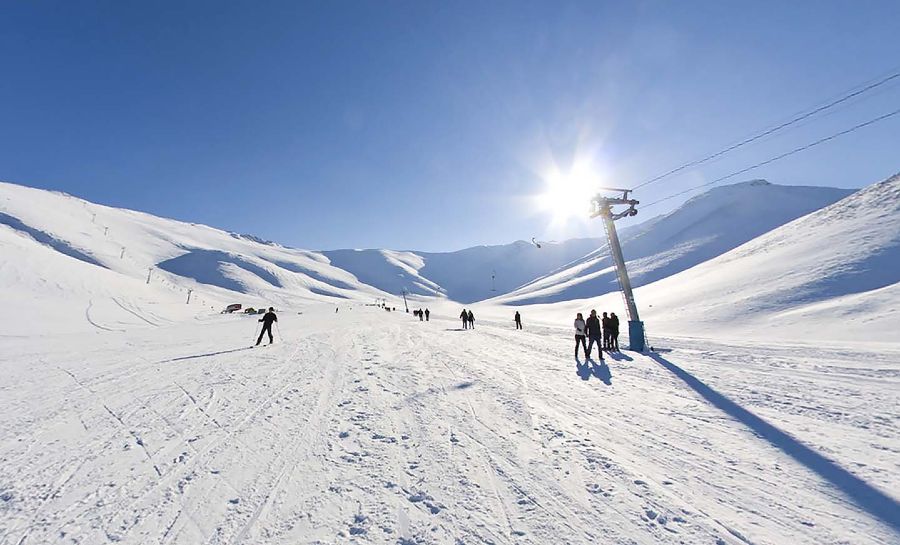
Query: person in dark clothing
{"x": 471, "y": 319}
{"x": 579, "y": 334}
{"x": 614, "y": 332}
{"x": 465, "y": 318}
{"x": 518, "y": 319}
{"x": 421, "y": 315}
{"x": 267, "y": 320}
{"x": 427, "y": 314}
{"x": 607, "y": 329}
{"x": 594, "y": 334}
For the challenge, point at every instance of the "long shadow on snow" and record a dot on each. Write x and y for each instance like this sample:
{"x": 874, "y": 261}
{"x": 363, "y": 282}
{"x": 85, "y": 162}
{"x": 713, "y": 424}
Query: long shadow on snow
{"x": 867, "y": 497}
{"x": 182, "y": 358}
{"x": 620, "y": 356}
{"x": 590, "y": 368}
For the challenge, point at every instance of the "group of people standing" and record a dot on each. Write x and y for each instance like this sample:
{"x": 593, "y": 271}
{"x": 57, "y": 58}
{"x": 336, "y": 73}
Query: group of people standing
{"x": 468, "y": 319}
{"x": 603, "y": 331}
{"x": 420, "y": 315}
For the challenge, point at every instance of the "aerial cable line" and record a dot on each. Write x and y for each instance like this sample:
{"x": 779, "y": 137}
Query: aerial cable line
{"x": 779, "y": 157}
{"x": 774, "y": 129}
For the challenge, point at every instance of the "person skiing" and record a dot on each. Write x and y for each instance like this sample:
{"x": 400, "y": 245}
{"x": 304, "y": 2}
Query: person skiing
{"x": 579, "y": 334}
{"x": 267, "y": 320}
{"x": 465, "y": 319}
{"x": 421, "y": 315}
{"x": 427, "y": 314}
{"x": 471, "y": 319}
{"x": 594, "y": 334}
{"x": 614, "y": 332}
{"x": 607, "y": 329}
{"x": 518, "y": 319}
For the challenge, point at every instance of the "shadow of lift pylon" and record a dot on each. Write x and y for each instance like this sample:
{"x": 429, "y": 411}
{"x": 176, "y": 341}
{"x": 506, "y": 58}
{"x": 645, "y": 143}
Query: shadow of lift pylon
{"x": 602, "y": 206}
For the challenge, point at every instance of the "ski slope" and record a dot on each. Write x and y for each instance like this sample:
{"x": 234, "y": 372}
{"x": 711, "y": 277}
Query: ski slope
{"x": 370, "y": 427}
{"x": 133, "y": 417}
{"x": 706, "y": 226}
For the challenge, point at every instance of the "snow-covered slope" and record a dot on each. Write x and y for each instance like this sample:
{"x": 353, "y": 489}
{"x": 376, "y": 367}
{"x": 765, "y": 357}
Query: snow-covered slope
{"x": 830, "y": 276}
{"x": 704, "y": 227}
{"x": 72, "y": 253}
{"x": 833, "y": 273}
{"x": 468, "y": 275}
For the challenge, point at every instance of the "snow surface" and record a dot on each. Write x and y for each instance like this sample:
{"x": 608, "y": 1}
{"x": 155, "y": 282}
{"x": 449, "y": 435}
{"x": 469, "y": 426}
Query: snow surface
{"x": 370, "y": 427}
{"x": 132, "y": 417}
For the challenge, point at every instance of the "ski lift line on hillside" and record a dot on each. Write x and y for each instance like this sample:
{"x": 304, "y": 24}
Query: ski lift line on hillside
{"x": 777, "y": 157}
{"x": 766, "y": 132}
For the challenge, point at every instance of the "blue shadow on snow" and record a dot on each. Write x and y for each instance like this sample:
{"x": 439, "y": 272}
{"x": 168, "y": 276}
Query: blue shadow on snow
{"x": 204, "y": 266}
{"x": 208, "y": 354}
{"x": 47, "y": 239}
{"x": 867, "y": 497}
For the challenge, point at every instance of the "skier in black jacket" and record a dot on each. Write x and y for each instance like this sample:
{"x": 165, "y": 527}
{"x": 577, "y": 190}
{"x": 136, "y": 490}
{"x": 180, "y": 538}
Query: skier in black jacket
{"x": 267, "y": 320}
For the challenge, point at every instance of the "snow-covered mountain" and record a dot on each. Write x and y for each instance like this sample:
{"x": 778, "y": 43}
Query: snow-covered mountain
{"x": 830, "y": 276}
{"x": 468, "y": 275}
{"x": 701, "y": 229}
{"x": 62, "y": 255}
{"x": 834, "y": 273}
{"x": 92, "y": 254}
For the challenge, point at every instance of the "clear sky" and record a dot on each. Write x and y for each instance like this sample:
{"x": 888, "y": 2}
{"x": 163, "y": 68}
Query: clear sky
{"x": 427, "y": 125}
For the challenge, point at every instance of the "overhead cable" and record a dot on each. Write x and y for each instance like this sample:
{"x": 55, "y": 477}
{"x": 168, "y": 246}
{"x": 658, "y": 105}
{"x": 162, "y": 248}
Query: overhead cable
{"x": 778, "y": 157}
{"x": 793, "y": 121}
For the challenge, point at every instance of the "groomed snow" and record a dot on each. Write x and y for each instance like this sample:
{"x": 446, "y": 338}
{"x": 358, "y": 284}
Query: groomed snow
{"x": 364, "y": 426}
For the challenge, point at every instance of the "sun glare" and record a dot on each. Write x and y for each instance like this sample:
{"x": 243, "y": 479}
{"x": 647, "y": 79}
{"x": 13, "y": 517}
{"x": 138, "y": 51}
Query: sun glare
{"x": 568, "y": 195}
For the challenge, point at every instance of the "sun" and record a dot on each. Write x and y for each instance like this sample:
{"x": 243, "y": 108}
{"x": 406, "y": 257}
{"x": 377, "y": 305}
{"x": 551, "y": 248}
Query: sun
{"x": 568, "y": 194}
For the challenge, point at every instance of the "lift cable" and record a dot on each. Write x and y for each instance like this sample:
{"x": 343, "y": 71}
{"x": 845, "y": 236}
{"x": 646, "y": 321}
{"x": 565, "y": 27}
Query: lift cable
{"x": 793, "y": 121}
{"x": 778, "y": 157}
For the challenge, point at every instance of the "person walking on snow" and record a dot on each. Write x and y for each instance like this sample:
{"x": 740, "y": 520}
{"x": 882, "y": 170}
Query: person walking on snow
{"x": 579, "y": 334}
{"x": 427, "y": 314}
{"x": 465, "y": 318}
{"x": 267, "y": 320}
{"x": 518, "y": 319}
{"x": 421, "y": 316}
{"x": 614, "y": 332}
{"x": 594, "y": 334}
{"x": 471, "y": 319}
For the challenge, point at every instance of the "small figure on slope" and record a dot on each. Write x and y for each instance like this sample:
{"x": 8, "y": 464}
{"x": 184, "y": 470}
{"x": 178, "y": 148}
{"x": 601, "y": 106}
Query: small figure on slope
{"x": 267, "y": 320}
{"x": 594, "y": 334}
{"x": 471, "y": 318}
{"x": 614, "y": 332}
{"x": 518, "y": 319}
{"x": 607, "y": 330}
{"x": 579, "y": 334}
{"x": 464, "y": 316}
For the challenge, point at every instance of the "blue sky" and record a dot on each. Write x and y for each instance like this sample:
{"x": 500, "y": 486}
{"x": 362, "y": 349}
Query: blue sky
{"x": 426, "y": 125}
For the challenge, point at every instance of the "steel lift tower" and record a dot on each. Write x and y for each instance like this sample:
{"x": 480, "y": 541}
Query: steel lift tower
{"x": 602, "y": 206}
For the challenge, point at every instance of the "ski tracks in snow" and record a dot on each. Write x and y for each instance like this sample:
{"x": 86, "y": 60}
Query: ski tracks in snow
{"x": 371, "y": 428}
